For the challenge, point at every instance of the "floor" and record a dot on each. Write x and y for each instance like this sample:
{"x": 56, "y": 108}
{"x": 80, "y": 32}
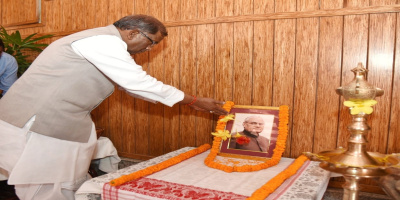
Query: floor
{"x": 337, "y": 194}
{"x": 7, "y": 192}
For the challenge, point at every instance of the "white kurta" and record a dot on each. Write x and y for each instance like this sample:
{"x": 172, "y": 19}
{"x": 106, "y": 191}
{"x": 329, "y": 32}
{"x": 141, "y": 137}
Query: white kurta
{"x": 32, "y": 158}
{"x": 109, "y": 54}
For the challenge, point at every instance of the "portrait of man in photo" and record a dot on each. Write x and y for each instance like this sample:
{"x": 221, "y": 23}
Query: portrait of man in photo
{"x": 253, "y": 137}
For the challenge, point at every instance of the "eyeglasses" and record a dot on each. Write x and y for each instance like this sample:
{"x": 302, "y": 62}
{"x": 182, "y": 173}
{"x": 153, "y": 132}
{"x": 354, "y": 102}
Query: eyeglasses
{"x": 152, "y": 41}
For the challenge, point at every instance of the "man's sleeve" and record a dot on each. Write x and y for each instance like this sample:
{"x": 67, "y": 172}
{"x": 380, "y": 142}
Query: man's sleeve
{"x": 109, "y": 54}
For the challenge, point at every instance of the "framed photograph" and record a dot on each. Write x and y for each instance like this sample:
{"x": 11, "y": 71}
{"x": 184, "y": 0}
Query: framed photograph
{"x": 254, "y": 132}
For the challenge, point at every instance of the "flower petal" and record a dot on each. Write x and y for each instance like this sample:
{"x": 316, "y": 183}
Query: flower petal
{"x": 367, "y": 110}
{"x": 355, "y": 110}
{"x": 349, "y": 103}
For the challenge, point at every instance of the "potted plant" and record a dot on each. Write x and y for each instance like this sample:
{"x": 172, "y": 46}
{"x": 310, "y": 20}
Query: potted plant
{"x": 15, "y": 45}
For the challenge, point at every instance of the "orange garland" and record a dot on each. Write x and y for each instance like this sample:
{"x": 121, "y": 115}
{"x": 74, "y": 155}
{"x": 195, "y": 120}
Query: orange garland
{"x": 260, "y": 193}
{"x": 160, "y": 166}
{"x": 277, "y": 181}
{"x": 278, "y": 151}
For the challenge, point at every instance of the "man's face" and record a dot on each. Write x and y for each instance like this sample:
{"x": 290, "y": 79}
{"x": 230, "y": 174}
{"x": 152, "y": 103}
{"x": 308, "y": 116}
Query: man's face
{"x": 254, "y": 125}
{"x": 141, "y": 41}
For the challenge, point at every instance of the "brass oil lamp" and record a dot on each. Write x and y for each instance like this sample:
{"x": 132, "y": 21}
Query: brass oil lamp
{"x": 355, "y": 163}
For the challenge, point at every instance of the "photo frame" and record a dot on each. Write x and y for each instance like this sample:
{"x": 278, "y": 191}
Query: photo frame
{"x": 258, "y": 132}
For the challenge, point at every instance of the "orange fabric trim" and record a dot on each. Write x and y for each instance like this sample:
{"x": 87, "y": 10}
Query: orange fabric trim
{"x": 160, "y": 166}
{"x": 269, "y": 187}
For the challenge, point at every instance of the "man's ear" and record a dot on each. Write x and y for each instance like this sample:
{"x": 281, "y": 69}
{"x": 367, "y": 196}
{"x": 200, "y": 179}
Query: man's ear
{"x": 132, "y": 33}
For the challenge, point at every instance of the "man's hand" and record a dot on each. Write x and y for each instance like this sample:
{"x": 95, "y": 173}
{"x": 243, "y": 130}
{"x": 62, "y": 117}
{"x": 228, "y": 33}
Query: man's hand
{"x": 204, "y": 104}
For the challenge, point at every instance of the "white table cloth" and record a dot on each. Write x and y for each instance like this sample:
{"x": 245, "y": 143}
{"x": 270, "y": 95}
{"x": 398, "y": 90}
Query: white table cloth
{"x": 191, "y": 179}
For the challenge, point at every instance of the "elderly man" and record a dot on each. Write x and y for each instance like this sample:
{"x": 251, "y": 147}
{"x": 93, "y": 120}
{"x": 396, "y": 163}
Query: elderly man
{"x": 252, "y": 127}
{"x": 47, "y": 135}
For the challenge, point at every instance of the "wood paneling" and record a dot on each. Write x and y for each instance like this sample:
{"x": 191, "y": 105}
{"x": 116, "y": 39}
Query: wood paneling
{"x": 141, "y": 119}
{"x": 263, "y": 55}
{"x": 284, "y": 62}
{"x": 394, "y": 137}
{"x": 328, "y": 78}
{"x": 187, "y": 130}
{"x": 258, "y": 52}
{"x": 224, "y": 52}
{"x": 305, "y": 81}
{"x": 156, "y": 69}
{"x": 243, "y": 55}
{"x": 19, "y": 12}
{"x": 355, "y": 42}
{"x": 171, "y": 68}
{"x": 205, "y": 47}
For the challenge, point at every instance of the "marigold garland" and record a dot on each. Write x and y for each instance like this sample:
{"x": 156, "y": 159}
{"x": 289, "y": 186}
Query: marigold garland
{"x": 278, "y": 151}
{"x": 160, "y": 166}
{"x": 260, "y": 193}
{"x": 269, "y": 187}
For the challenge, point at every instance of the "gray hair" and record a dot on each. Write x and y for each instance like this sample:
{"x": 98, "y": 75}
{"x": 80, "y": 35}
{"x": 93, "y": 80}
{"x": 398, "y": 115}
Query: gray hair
{"x": 144, "y": 23}
{"x": 248, "y": 118}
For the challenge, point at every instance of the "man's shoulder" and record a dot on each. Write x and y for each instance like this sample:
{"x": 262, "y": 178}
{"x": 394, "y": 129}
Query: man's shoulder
{"x": 8, "y": 57}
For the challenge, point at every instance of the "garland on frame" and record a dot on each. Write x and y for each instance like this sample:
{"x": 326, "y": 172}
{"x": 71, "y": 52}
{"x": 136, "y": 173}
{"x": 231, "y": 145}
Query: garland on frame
{"x": 278, "y": 151}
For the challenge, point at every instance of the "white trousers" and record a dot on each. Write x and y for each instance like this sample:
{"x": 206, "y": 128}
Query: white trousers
{"x": 43, "y": 167}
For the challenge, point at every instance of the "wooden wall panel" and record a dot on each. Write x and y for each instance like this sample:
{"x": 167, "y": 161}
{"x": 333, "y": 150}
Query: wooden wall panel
{"x": 81, "y": 20}
{"x": 115, "y": 108}
{"x": 67, "y": 15}
{"x": 20, "y": 12}
{"x": 205, "y": 69}
{"x": 156, "y": 69}
{"x": 328, "y": 78}
{"x": 263, "y": 55}
{"x": 52, "y": 11}
{"x": 101, "y": 10}
{"x": 172, "y": 65}
{"x": 142, "y": 107}
{"x": 305, "y": 80}
{"x": 259, "y": 52}
{"x": 355, "y": 42}
{"x": 188, "y": 72}
{"x": 394, "y": 137}
{"x": 224, "y": 52}
{"x": 284, "y": 60}
{"x": 90, "y": 14}
{"x": 128, "y": 132}
{"x": 243, "y": 54}
{"x": 380, "y": 65}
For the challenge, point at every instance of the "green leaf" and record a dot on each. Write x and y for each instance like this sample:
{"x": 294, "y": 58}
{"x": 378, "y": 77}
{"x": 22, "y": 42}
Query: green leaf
{"x": 17, "y": 46}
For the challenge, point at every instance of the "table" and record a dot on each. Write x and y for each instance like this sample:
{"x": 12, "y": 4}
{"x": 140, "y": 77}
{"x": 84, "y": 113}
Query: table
{"x": 195, "y": 179}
